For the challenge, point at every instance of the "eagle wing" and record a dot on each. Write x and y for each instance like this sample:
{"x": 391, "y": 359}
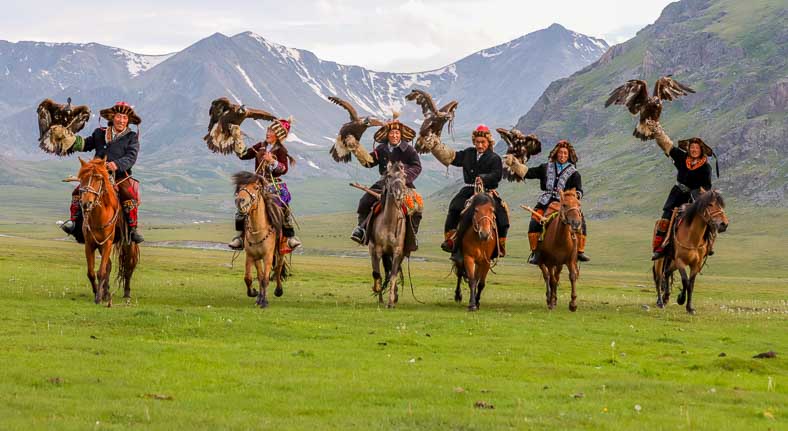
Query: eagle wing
{"x": 218, "y": 108}
{"x": 79, "y": 117}
{"x": 259, "y": 114}
{"x": 424, "y": 100}
{"x": 44, "y": 116}
{"x": 348, "y": 107}
{"x": 633, "y": 94}
{"x": 666, "y": 88}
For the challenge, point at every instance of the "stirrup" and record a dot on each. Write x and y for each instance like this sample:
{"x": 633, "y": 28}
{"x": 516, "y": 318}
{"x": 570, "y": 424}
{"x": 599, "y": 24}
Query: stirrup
{"x": 293, "y": 242}
{"x": 68, "y": 227}
{"x": 533, "y": 259}
{"x": 582, "y": 257}
{"x": 447, "y": 246}
{"x": 135, "y": 235}
{"x": 358, "y": 235}
{"x": 658, "y": 254}
{"x": 236, "y": 244}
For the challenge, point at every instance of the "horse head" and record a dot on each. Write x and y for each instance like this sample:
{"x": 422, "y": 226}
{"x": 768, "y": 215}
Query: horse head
{"x": 570, "y": 212}
{"x": 714, "y": 212}
{"x": 483, "y": 215}
{"x": 248, "y": 191}
{"x": 93, "y": 183}
{"x": 396, "y": 181}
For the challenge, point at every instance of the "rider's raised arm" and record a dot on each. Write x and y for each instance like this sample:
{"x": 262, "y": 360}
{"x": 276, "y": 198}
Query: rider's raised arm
{"x": 537, "y": 172}
{"x": 250, "y": 153}
{"x": 84, "y": 144}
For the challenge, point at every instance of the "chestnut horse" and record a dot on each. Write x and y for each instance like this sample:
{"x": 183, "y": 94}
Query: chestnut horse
{"x": 262, "y": 235}
{"x": 478, "y": 239}
{"x": 695, "y": 228}
{"x": 104, "y": 227}
{"x": 559, "y": 247}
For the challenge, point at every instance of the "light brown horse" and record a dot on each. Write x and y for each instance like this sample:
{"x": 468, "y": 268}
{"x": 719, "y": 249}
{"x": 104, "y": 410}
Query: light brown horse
{"x": 695, "y": 227}
{"x": 387, "y": 234}
{"x": 478, "y": 239}
{"x": 104, "y": 227}
{"x": 559, "y": 248}
{"x": 262, "y": 235}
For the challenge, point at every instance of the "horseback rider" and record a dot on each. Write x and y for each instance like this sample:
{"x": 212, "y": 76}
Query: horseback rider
{"x": 271, "y": 159}
{"x": 693, "y": 172}
{"x": 120, "y": 145}
{"x": 558, "y": 174}
{"x": 394, "y": 138}
{"x": 477, "y": 161}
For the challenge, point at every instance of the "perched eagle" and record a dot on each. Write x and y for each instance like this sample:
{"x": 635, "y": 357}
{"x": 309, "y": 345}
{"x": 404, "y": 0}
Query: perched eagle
{"x": 521, "y": 146}
{"x": 434, "y": 119}
{"x": 350, "y": 133}
{"x": 224, "y": 129}
{"x": 634, "y": 94}
{"x": 71, "y": 120}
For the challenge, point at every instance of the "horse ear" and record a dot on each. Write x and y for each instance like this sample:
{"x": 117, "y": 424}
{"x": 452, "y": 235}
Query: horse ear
{"x": 82, "y": 162}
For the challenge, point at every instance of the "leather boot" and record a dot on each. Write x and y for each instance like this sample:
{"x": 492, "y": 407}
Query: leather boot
{"x": 660, "y": 231}
{"x": 130, "y": 212}
{"x": 533, "y": 242}
{"x": 581, "y": 247}
{"x": 448, "y": 243}
{"x": 76, "y": 211}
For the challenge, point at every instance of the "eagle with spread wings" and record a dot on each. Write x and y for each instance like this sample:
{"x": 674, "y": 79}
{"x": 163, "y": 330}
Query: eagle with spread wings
{"x": 434, "y": 119}
{"x": 66, "y": 120}
{"x": 634, "y": 95}
{"x": 349, "y": 136}
{"x": 224, "y": 128}
{"x": 520, "y": 147}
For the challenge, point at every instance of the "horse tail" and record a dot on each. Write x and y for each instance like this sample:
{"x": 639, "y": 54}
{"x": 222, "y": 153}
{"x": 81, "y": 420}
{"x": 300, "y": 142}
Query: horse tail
{"x": 127, "y": 254}
{"x": 285, "y": 270}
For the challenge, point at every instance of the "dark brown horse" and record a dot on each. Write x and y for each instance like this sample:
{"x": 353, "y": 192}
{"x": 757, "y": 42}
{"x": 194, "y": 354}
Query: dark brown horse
{"x": 262, "y": 235}
{"x": 695, "y": 228}
{"x": 104, "y": 227}
{"x": 559, "y": 247}
{"x": 478, "y": 239}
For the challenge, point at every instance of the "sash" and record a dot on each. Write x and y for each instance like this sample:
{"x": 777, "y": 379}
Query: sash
{"x": 556, "y": 182}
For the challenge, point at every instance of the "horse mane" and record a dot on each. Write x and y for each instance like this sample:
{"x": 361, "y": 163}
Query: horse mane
{"x": 701, "y": 203}
{"x": 243, "y": 178}
{"x": 467, "y": 216}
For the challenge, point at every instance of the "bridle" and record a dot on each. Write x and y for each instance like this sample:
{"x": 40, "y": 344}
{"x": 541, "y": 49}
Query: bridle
{"x": 477, "y": 221}
{"x": 97, "y": 202}
{"x": 253, "y": 199}
{"x": 562, "y": 213}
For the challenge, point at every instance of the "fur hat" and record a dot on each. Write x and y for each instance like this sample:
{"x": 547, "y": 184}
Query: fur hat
{"x": 705, "y": 149}
{"x": 121, "y": 108}
{"x": 484, "y": 132}
{"x": 382, "y": 135}
{"x": 281, "y": 128}
{"x": 564, "y": 144}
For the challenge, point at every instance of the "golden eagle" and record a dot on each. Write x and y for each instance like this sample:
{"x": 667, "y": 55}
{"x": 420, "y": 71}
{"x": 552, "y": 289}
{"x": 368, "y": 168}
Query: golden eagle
{"x": 434, "y": 119}
{"x": 224, "y": 128}
{"x": 634, "y": 94}
{"x": 350, "y": 133}
{"x": 519, "y": 146}
{"x": 71, "y": 120}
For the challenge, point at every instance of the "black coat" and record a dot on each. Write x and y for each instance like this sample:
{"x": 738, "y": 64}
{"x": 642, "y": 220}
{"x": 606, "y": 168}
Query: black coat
{"x": 489, "y": 167}
{"x": 404, "y": 153}
{"x": 123, "y": 150}
{"x": 695, "y": 178}
{"x": 540, "y": 172}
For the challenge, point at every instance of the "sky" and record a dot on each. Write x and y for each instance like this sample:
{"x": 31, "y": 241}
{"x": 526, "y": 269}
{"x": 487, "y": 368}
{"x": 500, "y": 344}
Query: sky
{"x": 396, "y": 36}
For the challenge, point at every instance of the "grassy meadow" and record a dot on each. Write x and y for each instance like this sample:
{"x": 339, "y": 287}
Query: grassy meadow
{"x": 191, "y": 351}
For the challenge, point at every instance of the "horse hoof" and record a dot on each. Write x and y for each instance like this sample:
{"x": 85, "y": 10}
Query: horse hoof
{"x": 473, "y": 308}
{"x": 390, "y": 305}
{"x": 458, "y": 299}
{"x": 252, "y": 293}
{"x": 680, "y": 299}
{"x": 660, "y": 305}
{"x": 278, "y": 292}
{"x": 573, "y": 307}
{"x": 691, "y": 311}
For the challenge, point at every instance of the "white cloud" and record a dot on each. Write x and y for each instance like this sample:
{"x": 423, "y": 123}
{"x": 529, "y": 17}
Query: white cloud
{"x": 409, "y": 35}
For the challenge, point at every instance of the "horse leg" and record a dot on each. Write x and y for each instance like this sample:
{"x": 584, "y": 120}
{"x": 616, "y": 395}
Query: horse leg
{"x": 103, "y": 274}
{"x": 556, "y": 280}
{"x": 279, "y": 265}
{"x": 574, "y": 271}
{"x": 546, "y": 276}
{"x": 458, "y": 290}
{"x": 250, "y": 291}
{"x": 393, "y": 277}
{"x": 690, "y": 291}
{"x": 481, "y": 272}
{"x": 130, "y": 257}
{"x": 106, "y": 289}
{"x": 656, "y": 271}
{"x": 470, "y": 272}
{"x": 263, "y": 268}
{"x": 90, "y": 256}
{"x": 377, "y": 284}
{"x": 684, "y": 287}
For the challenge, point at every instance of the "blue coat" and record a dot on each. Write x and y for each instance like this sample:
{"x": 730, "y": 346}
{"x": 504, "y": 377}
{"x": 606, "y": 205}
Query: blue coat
{"x": 122, "y": 150}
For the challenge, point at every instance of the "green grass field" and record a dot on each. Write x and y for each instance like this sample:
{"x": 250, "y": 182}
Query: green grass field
{"x": 191, "y": 351}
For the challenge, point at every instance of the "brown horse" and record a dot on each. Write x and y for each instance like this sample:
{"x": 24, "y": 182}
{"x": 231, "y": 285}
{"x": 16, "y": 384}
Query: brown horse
{"x": 104, "y": 227}
{"x": 387, "y": 234}
{"x": 696, "y": 226}
{"x": 478, "y": 241}
{"x": 262, "y": 235}
{"x": 559, "y": 247}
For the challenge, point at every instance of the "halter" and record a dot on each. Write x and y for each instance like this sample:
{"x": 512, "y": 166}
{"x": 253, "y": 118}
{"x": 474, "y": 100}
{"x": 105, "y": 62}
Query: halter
{"x": 708, "y": 217}
{"x": 562, "y": 213}
{"x": 252, "y": 196}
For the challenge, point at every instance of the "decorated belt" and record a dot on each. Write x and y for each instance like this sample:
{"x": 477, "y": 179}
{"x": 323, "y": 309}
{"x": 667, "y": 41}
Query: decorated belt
{"x": 683, "y": 188}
